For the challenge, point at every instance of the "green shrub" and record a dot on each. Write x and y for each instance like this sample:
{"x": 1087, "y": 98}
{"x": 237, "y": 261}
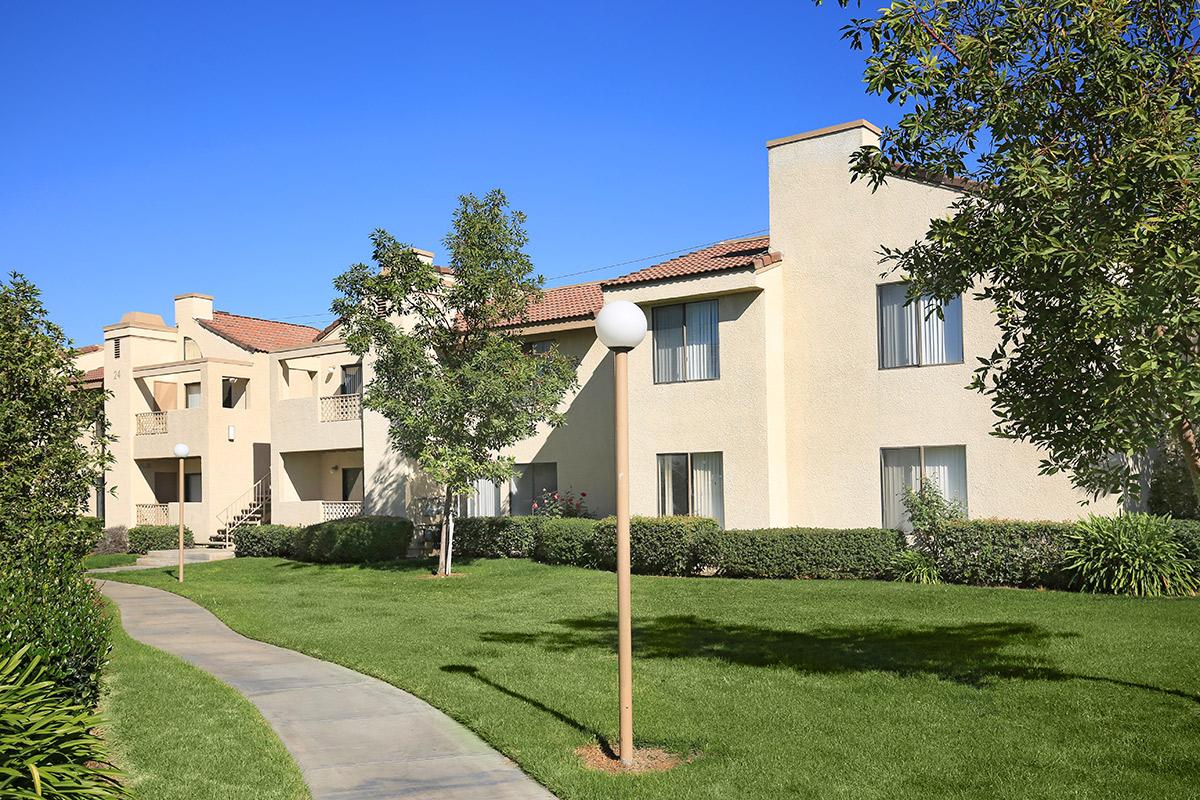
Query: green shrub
{"x": 47, "y": 605}
{"x": 1171, "y": 491}
{"x": 357, "y": 540}
{"x": 806, "y": 553}
{"x": 112, "y": 541}
{"x": 658, "y": 545}
{"x": 914, "y": 566}
{"x": 48, "y": 744}
{"x": 144, "y": 538}
{"x": 91, "y": 531}
{"x": 566, "y": 540}
{"x": 1004, "y": 552}
{"x": 495, "y": 537}
{"x": 1187, "y": 533}
{"x": 264, "y": 541}
{"x": 1131, "y": 554}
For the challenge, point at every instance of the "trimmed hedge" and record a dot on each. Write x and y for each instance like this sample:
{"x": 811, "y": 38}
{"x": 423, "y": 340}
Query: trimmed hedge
{"x": 356, "y": 540}
{"x": 264, "y": 541}
{"x": 1187, "y": 531}
{"x": 804, "y": 553}
{"x": 566, "y": 540}
{"x": 144, "y": 538}
{"x": 657, "y": 545}
{"x": 1004, "y": 552}
{"x": 496, "y": 537}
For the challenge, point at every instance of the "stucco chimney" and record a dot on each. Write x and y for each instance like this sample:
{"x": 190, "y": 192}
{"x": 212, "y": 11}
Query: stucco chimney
{"x": 424, "y": 255}
{"x": 193, "y": 306}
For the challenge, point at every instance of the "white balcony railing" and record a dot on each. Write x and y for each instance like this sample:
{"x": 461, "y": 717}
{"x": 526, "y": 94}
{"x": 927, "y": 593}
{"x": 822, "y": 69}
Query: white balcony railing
{"x": 341, "y": 407}
{"x": 340, "y": 509}
{"x": 151, "y": 422}
{"x": 152, "y": 514}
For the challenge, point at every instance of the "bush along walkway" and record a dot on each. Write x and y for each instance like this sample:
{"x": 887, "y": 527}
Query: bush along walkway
{"x": 354, "y": 737}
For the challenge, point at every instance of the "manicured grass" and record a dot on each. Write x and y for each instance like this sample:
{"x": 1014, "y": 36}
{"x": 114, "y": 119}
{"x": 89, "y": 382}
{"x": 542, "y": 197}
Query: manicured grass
{"x": 816, "y": 689}
{"x": 111, "y": 560}
{"x": 180, "y": 734}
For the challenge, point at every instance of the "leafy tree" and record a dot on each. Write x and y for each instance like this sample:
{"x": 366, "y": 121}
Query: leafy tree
{"x": 1170, "y": 485}
{"x": 452, "y": 379}
{"x": 1073, "y": 127}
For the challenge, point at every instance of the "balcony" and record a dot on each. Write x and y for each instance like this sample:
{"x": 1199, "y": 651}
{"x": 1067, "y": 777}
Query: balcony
{"x": 341, "y": 407}
{"x": 340, "y": 509}
{"x": 151, "y": 423}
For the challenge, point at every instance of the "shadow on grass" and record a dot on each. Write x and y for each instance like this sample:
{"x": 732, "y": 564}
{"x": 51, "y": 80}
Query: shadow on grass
{"x": 972, "y": 654}
{"x": 473, "y": 672}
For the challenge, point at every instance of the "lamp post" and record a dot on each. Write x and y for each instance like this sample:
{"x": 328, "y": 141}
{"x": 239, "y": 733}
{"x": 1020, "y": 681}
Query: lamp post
{"x": 181, "y": 452}
{"x": 621, "y": 326}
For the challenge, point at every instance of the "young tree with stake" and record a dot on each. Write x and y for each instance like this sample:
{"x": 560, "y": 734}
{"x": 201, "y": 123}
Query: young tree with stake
{"x": 452, "y": 378}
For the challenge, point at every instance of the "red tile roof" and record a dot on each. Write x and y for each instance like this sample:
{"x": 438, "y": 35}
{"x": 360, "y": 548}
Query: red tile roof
{"x": 93, "y": 379}
{"x": 88, "y": 348}
{"x": 579, "y": 301}
{"x": 258, "y": 335}
{"x": 735, "y": 254}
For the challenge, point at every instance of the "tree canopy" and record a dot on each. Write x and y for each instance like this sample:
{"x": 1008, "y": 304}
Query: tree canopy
{"x": 1073, "y": 127}
{"x": 450, "y": 374}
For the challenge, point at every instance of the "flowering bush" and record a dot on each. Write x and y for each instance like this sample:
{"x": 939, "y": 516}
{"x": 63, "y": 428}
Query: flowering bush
{"x": 561, "y": 504}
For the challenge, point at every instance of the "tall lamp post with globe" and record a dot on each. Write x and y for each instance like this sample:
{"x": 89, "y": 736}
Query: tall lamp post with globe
{"x": 181, "y": 452}
{"x": 621, "y": 326}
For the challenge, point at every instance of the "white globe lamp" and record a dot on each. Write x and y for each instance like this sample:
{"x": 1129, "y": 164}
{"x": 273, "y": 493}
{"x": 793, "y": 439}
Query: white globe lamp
{"x": 621, "y": 325}
{"x": 181, "y": 450}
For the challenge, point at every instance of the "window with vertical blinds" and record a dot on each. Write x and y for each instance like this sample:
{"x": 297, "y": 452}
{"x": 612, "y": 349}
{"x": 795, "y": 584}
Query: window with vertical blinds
{"x": 915, "y": 334}
{"x": 903, "y": 468}
{"x": 686, "y": 342}
{"x": 484, "y": 502}
{"x": 691, "y": 484}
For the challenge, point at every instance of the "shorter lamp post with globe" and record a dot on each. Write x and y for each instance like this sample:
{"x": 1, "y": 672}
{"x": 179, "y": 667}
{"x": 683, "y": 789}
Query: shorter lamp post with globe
{"x": 181, "y": 452}
{"x": 621, "y": 326}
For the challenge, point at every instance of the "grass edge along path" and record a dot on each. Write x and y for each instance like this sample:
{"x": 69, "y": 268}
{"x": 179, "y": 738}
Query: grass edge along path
{"x": 178, "y": 733}
{"x": 822, "y": 689}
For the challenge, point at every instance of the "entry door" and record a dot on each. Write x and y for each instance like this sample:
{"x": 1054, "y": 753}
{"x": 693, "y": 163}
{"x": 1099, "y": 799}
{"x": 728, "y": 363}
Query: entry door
{"x": 352, "y": 483}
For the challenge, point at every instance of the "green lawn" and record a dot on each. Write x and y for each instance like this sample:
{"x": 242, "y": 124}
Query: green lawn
{"x": 111, "y": 560}
{"x": 180, "y": 734}
{"x": 816, "y": 689}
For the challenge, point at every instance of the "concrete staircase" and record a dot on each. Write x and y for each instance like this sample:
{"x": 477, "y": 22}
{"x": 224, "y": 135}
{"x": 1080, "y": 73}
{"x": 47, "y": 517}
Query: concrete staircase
{"x": 191, "y": 555}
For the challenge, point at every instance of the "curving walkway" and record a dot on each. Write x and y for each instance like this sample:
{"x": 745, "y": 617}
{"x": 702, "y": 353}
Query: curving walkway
{"x": 354, "y": 737}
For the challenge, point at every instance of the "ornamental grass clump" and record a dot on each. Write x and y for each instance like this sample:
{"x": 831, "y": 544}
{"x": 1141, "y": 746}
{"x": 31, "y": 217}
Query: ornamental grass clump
{"x": 914, "y": 566}
{"x": 1132, "y": 554}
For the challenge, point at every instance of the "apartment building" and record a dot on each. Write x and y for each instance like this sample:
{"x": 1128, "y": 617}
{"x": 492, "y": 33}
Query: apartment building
{"x": 783, "y": 381}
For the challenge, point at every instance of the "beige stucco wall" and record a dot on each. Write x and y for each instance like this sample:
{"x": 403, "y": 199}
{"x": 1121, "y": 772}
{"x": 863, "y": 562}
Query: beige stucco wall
{"x": 841, "y": 408}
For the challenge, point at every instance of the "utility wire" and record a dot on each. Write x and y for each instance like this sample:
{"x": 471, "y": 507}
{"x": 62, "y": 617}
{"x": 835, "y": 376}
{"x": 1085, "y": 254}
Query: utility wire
{"x": 590, "y": 270}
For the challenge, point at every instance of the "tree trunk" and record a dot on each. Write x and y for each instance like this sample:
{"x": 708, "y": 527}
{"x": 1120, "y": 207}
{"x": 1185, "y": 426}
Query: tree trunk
{"x": 447, "y": 541}
{"x": 1186, "y": 434}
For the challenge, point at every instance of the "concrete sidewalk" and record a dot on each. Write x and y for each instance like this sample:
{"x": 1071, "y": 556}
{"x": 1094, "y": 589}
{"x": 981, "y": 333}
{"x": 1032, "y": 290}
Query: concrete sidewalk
{"x": 354, "y": 737}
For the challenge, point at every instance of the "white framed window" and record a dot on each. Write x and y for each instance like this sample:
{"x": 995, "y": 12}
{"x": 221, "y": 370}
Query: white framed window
{"x": 913, "y": 334}
{"x": 903, "y": 468}
{"x": 485, "y": 502}
{"x": 691, "y": 484}
{"x": 687, "y": 343}
{"x": 531, "y": 481}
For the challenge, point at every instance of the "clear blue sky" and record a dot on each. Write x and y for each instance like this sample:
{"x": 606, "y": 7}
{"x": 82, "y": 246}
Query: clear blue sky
{"x": 247, "y": 150}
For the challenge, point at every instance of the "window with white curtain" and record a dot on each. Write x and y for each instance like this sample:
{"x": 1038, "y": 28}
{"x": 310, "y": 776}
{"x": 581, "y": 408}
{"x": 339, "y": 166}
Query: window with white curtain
{"x": 485, "y": 502}
{"x": 691, "y": 484}
{"x": 903, "y": 468}
{"x": 914, "y": 334}
{"x": 686, "y": 342}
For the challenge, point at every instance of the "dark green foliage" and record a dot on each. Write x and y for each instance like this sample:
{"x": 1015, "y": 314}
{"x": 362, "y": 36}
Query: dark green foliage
{"x": 1003, "y": 552}
{"x": 1134, "y": 554}
{"x": 47, "y": 604}
{"x": 112, "y": 540}
{"x": 1187, "y": 533}
{"x": 1171, "y": 491}
{"x": 264, "y": 541}
{"x": 357, "y": 540}
{"x": 92, "y": 531}
{"x": 566, "y": 540}
{"x": 496, "y": 537}
{"x": 806, "y": 553}
{"x": 48, "y": 745}
{"x": 658, "y": 545}
{"x": 144, "y": 538}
